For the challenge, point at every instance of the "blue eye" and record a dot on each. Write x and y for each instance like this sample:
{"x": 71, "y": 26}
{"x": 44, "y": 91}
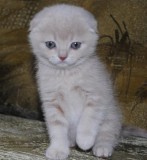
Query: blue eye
{"x": 50, "y": 44}
{"x": 75, "y": 45}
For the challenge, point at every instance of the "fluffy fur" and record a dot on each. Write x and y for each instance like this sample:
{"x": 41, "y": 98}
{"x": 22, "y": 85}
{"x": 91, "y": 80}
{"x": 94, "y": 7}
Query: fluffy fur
{"x": 77, "y": 97}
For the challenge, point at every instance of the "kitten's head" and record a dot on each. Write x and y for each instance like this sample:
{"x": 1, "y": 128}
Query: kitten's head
{"x": 63, "y": 35}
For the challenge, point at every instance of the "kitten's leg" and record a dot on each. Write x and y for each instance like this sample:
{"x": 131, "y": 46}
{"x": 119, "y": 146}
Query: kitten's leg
{"x": 58, "y": 130}
{"x": 88, "y": 125}
{"x": 72, "y": 135}
{"x": 107, "y": 137}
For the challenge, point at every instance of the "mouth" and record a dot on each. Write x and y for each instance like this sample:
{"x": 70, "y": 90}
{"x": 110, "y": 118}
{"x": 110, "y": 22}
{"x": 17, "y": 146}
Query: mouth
{"x": 64, "y": 64}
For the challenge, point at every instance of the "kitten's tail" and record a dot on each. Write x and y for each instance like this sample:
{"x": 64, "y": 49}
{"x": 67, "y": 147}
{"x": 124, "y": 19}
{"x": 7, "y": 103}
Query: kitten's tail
{"x": 133, "y": 131}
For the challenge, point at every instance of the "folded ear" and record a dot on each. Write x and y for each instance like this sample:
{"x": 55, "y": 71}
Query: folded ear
{"x": 93, "y": 27}
{"x": 92, "y": 22}
{"x": 37, "y": 19}
{"x": 33, "y": 24}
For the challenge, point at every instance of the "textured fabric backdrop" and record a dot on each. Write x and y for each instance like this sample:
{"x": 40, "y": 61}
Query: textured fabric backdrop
{"x": 122, "y": 46}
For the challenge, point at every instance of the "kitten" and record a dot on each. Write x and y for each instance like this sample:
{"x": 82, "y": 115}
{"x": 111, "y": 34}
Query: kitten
{"x": 76, "y": 92}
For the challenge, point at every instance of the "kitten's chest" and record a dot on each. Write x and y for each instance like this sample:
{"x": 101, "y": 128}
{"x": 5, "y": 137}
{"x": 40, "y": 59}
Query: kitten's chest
{"x": 65, "y": 81}
{"x": 70, "y": 94}
{"x": 68, "y": 89}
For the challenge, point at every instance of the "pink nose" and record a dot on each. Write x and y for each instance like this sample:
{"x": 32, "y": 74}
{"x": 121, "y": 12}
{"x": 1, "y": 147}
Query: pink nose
{"x": 62, "y": 58}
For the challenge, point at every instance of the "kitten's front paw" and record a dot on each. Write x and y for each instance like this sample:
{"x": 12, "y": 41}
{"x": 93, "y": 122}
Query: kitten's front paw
{"x": 85, "y": 141}
{"x": 102, "y": 151}
{"x": 57, "y": 153}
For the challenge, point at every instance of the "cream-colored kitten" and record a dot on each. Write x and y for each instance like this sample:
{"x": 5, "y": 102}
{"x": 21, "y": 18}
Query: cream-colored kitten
{"x": 76, "y": 92}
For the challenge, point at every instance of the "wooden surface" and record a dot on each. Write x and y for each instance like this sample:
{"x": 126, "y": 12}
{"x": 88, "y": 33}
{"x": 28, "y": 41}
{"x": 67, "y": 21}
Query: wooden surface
{"x": 22, "y": 139}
